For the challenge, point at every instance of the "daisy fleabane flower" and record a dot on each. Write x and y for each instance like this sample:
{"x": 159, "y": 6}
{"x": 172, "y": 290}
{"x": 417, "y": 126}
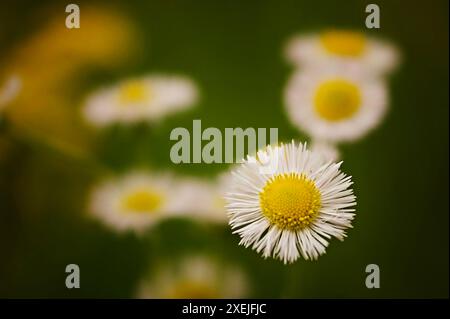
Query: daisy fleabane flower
{"x": 348, "y": 47}
{"x": 294, "y": 209}
{"x": 136, "y": 201}
{"x": 147, "y": 98}
{"x": 335, "y": 104}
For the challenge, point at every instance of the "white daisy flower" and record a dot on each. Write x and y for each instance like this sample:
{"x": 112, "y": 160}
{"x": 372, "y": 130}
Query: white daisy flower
{"x": 9, "y": 90}
{"x": 147, "y": 98}
{"x": 196, "y": 277}
{"x": 136, "y": 201}
{"x": 296, "y": 209}
{"x": 335, "y": 104}
{"x": 328, "y": 151}
{"x": 350, "y": 48}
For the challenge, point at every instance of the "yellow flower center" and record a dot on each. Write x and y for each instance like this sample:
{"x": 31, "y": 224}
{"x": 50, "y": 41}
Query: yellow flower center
{"x": 142, "y": 201}
{"x": 134, "y": 92}
{"x": 345, "y": 43}
{"x": 193, "y": 290}
{"x": 290, "y": 201}
{"x": 336, "y": 100}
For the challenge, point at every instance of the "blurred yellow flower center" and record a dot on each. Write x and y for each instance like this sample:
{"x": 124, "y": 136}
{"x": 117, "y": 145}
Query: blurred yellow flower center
{"x": 134, "y": 92}
{"x": 142, "y": 201}
{"x": 337, "y": 100}
{"x": 345, "y": 43}
{"x": 193, "y": 290}
{"x": 290, "y": 201}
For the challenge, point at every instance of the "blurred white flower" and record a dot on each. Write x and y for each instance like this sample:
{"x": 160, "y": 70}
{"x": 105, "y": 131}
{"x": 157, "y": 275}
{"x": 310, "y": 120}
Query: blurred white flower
{"x": 196, "y": 277}
{"x": 136, "y": 201}
{"x": 148, "y": 98}
{"x": 204, "y": 199}
{"x": 335, "y": 104}
{"x": 350, "y": 48}
{"x": 296, "y": 209}
{"x": 328, "y": 151}
{"x": 9, "y": 90}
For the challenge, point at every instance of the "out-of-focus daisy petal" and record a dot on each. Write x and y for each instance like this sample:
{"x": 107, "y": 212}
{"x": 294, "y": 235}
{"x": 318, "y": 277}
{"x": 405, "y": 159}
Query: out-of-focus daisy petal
{"x": 335, "y": 104}
{"x": 351, "y": 49}
{"x": 148, "y": 98}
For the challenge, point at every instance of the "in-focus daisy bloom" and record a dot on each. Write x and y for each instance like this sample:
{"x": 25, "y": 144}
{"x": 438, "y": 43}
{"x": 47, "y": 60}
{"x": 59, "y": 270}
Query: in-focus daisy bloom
{"x": 335, "y": 104}
{"x": 195, "y": 277}
{"x": 293, "y": 211}
{"x": 351, "y": 48}
{"x": 148, "y": 98}
{"x": 136, "y": 201}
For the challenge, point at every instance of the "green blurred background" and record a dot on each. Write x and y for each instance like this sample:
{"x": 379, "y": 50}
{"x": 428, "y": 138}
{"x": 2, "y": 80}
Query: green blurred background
{"x": 233, "y": 50}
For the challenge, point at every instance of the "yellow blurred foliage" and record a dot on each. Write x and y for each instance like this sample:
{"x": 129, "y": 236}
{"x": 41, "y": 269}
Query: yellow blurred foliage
{"x": 49, "y": 63}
